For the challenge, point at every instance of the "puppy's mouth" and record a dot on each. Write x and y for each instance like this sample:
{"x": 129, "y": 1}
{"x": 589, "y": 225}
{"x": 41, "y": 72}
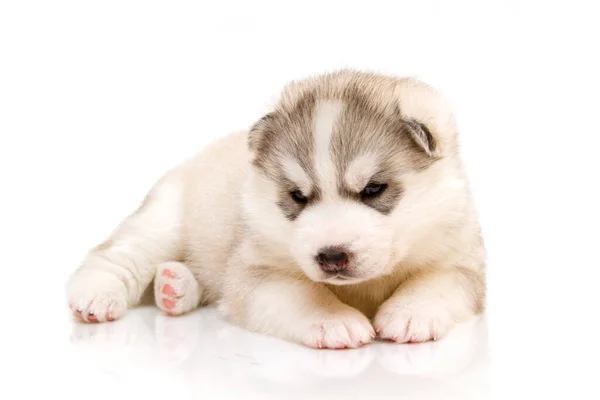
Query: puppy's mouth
{"x": 341, "y": 279}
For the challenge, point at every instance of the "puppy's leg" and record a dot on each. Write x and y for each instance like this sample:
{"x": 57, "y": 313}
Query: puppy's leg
{"x": 293, "y": 309}
{"x": 115, "y": 274}
{"x": 176, "y": 290}
{"x": 427, "y": 305}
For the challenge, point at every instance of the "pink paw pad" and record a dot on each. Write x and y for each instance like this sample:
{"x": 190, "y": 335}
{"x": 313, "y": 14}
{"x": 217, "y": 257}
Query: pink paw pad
{"x": 170, "y": 295}
{"x": 168, "y": 273}
{"x": 168, "y": 290}
{"x": 169, "y": 303}
{"x": 175, "y": 289}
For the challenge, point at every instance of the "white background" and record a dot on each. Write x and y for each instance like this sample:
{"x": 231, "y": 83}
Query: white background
{"x": 97, "y": 99}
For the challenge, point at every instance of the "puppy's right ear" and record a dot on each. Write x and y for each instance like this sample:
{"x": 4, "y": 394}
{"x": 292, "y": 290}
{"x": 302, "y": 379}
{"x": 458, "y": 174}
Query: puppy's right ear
{"x": 257, "y": 131}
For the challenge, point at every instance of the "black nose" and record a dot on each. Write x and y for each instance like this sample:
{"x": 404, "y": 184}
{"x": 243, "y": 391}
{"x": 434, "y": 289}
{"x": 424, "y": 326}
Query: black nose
{"x": 333, "y": 259}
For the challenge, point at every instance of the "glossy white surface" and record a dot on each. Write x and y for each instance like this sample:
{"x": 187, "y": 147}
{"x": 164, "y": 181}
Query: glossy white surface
{"x": 199, "y": 353}
{"x": 98, "y": 99}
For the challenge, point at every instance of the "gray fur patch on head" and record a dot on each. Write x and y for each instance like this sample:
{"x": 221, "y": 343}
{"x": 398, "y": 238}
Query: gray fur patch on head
{"x": 367, "y": 128}
{"x": 280, "y": 134}
{"x": 286, "y": 134}
{"x": 370, "y": 122}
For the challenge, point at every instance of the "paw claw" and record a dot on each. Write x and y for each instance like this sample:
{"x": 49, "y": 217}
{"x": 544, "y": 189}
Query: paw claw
{"x": 344, "y": 330}
{"x": 409, "y": 325}
{"x": 92, "y": 293}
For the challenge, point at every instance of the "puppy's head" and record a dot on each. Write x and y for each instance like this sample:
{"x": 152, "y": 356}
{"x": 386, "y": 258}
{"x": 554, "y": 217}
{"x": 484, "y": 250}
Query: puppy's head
{"x": 345, "y": 173}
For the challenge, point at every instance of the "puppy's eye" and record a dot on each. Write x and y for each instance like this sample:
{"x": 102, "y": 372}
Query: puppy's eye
{"x": 373, "y": 190}
{"x": 298, "y": 197}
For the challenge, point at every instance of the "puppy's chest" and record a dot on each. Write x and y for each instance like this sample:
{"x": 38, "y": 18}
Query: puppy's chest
{"x": 368, "y": 296}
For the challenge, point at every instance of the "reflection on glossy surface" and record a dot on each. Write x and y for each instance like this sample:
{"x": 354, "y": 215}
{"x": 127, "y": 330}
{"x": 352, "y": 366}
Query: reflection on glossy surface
{"x": 199, "y": 353}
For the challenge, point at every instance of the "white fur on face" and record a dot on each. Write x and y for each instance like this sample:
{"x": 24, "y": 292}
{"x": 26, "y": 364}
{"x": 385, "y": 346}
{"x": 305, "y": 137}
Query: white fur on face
{"x": 376, "y": 241}
{"x": 326, "y": 115}
{"x": 259, "y": 202}
{"x": 334, "y": 221}
{"x": 429, "y": 198}
{"x": 361, "y": 230}
{"x": 360, "y": 170}
{"x": 295, "y": 173}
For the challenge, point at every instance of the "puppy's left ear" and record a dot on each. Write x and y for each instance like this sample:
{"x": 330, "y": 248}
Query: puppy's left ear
{"x": 422, "y": 137}
{"x": 428, "y": 116}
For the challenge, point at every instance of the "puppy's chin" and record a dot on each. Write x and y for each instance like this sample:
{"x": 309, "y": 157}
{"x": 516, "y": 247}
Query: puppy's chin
{"x": 341, "y": 281}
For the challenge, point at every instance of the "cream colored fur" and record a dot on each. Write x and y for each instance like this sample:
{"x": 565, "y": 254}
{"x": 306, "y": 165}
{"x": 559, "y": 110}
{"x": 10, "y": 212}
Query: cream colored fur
{"x": 209, "y": 232}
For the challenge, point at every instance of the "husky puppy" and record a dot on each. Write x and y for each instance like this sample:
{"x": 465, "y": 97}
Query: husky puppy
{"x": 342, "y": 215}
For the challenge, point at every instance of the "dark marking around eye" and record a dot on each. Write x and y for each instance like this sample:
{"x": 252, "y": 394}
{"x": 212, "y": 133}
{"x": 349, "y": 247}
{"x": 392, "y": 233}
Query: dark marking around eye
{"x": 386, "y": 199}
{"x": 373, "y": 190}
{"x": 298, "y": 197}
{"x": 292, "y": 201}
{"x": 382, "y": 197}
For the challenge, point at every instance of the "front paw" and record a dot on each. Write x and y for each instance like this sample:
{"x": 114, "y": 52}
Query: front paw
{"x": 343, "y": 329}
{"x": 96, "y": 296}
{"x": 412, "y": 322}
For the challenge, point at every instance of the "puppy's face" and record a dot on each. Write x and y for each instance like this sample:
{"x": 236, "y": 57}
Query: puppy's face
{"x": 335, "y": 180}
